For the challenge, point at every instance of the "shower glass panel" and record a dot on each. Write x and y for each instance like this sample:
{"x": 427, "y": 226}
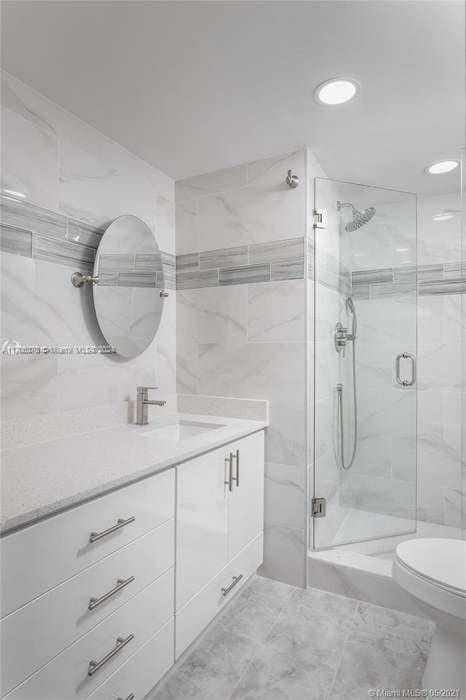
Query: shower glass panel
{"x": 365, "y": 310}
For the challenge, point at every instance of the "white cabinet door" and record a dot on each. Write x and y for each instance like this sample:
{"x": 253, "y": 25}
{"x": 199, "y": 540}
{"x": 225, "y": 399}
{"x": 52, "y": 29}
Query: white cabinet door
{"x": 246, "y": 499}
{"x": 201, "y": 522}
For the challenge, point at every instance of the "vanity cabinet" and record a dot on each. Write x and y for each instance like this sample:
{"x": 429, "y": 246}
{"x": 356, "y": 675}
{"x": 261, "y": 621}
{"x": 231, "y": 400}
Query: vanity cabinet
{"x": 84, "y": 590}
{"x": 219, "y": 531}
{"x": 94, "y": 598}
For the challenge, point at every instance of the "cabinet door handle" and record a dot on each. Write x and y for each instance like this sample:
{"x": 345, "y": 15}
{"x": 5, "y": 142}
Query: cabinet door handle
{"x": 227, "y": 589}
{"x": 120, "y": 584}
{"x": 131, "y": 696}
{"x": 229, "y": 482}
{"x": 95, "y": 536}
{"x": 95, "y": 666}
{"x": 236, "y": 457}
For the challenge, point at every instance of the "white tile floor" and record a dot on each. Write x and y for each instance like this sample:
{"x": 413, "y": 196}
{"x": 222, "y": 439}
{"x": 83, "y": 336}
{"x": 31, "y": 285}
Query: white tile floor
{"x": 277, "y": 642}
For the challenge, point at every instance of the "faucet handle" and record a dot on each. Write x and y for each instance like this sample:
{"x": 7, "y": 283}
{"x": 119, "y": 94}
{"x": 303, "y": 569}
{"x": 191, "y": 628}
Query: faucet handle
{"x": 145, "y": 388}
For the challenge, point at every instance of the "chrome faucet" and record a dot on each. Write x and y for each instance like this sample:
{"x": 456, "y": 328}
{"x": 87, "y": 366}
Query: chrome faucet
{"x": 143, "y": 401}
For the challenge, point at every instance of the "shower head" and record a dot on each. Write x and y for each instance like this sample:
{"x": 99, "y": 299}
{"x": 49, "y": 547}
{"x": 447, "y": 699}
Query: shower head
{"x": 359, "y": 217}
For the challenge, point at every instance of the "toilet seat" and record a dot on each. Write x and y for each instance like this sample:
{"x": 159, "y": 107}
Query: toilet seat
{"x": 434, "y": 570}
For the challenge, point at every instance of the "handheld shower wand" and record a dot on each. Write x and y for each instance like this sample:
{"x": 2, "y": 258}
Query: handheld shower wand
{"x": 342, "y": 337}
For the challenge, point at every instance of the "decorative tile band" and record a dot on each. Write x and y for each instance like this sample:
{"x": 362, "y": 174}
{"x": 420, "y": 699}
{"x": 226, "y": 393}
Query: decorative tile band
{"x": 447, "y": 278}
{"x": 38, "y": 233}
{"x": 34, "y": 232}
{"x": 247, "y": 264}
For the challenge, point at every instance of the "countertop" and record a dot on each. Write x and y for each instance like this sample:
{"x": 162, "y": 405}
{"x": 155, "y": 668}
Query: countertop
{"x": 48, "y": 477}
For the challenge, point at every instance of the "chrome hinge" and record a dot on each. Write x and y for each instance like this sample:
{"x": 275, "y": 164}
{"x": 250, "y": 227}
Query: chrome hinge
{"x": 318, "y": 507}
{"x": 320, "y": 218}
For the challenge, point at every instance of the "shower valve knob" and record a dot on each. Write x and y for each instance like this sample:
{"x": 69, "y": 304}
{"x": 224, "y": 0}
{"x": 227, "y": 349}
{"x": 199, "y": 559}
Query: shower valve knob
{"x": 341, "y": 337}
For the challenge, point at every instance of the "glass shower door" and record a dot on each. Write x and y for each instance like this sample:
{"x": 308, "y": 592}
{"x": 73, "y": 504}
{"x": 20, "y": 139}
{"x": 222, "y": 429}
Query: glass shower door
{"x": 365, "y": 400}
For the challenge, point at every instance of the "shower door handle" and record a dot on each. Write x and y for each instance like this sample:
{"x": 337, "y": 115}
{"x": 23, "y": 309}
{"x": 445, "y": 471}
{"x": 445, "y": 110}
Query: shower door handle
{"x": 405, "y": 356}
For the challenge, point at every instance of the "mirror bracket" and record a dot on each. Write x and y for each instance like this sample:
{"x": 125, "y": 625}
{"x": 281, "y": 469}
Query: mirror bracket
{"x": 78, "y": 279}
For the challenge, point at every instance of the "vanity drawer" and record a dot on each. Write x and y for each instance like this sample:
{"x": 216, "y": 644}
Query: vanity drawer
{"x": 142, "y": 671}
{"x": 39, "y": 557}
{"x": 200, "y": 610}
{"x": 62, "y": 615}
{"x": 66, "y": 677}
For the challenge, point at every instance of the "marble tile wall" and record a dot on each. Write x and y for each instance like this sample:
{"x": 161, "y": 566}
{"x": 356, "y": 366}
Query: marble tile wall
{"x": 74, "y": 181}
{"x": 441, "y": 369}
{"x": 241, "y": 323}
{"x": 463, "y": 354}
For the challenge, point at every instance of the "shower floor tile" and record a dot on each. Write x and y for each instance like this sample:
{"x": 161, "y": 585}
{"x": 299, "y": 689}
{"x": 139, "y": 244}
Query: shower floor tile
{"x": 277, "y": 642}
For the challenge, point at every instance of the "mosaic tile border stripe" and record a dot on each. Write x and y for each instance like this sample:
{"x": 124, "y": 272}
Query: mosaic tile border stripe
{"x": 247, "y": 264}
{"x": 38, "y": 233}
{"x": 447, "y": 278}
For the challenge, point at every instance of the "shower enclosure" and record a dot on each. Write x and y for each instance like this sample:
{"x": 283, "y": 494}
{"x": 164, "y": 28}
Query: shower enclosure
{"x": 363, "y": 291}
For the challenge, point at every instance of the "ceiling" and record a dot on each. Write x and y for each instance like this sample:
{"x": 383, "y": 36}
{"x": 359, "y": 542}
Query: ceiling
{"x": 196, "y": 86}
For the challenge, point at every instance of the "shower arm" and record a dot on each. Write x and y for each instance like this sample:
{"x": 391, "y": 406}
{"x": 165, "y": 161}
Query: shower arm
{"x": 340, "y": 205}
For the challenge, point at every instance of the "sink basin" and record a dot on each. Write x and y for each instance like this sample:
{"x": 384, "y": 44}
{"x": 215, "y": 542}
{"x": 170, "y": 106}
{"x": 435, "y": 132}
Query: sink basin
{"x": 180, "y": 430}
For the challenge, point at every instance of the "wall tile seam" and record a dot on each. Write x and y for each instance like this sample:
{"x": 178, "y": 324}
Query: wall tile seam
{"x": 196, "y": 196}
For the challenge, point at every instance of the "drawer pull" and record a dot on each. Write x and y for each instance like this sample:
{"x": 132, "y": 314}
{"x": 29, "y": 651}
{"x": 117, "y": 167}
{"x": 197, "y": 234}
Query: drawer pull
{"x": 121, "y": 583}
{"x": 95, "y": 536}
{"x": 95, "y": 666}
{"x": 131, "y": 696}
{"x": 227, "y": 589}
{"x": 236, "y": 478}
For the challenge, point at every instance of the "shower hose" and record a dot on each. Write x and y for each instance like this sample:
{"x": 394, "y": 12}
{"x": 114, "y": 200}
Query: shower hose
{"x": 343, "y": 464}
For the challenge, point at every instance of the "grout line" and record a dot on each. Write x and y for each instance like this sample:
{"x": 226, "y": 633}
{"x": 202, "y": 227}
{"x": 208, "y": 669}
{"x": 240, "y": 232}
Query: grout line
{"x": 255, "y": 655}
{"x": 338, "y": 664}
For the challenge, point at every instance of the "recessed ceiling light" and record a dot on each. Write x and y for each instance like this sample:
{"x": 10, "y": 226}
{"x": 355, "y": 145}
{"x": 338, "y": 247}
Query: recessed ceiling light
{"x": 443, "y": 216}
{"x": 336, "y": 91}
{"x": 443, "y": 166}
{"x": 401, "y": 250}
{"x": 14, "y": 193}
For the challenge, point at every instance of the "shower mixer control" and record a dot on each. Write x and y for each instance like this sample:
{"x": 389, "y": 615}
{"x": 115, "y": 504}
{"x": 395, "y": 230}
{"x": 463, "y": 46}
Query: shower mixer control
{"x": 342, "y": 337}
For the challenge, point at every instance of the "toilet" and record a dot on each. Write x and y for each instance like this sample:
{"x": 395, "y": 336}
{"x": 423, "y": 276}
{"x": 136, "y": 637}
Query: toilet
{"x": 433, "y": 570}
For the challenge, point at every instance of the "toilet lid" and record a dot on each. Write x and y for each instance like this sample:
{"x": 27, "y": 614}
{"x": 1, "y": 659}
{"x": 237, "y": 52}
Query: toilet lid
{"x": 440, "y": 560}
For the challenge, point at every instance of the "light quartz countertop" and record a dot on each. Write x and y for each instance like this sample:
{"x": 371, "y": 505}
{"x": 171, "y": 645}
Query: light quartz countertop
{"x": 48, "y": 477}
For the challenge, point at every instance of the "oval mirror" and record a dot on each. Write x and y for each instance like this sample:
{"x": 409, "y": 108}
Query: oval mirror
{"x": 128, "y": 293}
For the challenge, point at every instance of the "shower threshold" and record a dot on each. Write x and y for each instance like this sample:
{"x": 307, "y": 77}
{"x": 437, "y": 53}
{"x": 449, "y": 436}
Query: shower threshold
{"x": 363, "y": 570}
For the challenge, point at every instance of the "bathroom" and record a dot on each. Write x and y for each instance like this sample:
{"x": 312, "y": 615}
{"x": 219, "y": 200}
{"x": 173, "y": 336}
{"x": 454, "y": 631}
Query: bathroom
{"x": 233, "y": 310}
